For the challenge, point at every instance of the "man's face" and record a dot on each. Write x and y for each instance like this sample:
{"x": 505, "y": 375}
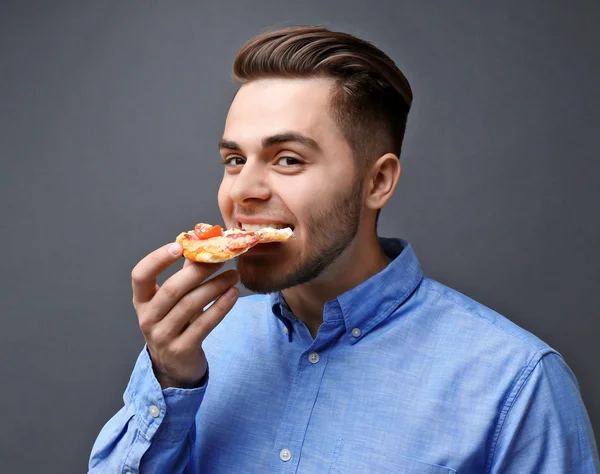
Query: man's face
{"x": 288, "y": 164}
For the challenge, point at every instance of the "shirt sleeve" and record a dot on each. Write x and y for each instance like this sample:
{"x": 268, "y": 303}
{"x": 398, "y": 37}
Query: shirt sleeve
{"x": 546, "y": 429}
{"x": 153, "y": 432}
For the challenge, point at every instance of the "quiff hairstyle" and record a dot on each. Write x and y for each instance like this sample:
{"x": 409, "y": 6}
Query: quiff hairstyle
{"x": 371, "y": 97}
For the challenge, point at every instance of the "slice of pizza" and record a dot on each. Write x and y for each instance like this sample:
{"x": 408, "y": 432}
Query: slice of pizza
{"x": 210, "y": 244}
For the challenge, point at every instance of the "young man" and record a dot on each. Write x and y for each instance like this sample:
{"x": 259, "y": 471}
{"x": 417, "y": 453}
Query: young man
{"x": 348, "y": 360}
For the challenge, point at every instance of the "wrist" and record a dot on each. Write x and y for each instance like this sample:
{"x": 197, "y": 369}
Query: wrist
{"x": 169, "y": 382}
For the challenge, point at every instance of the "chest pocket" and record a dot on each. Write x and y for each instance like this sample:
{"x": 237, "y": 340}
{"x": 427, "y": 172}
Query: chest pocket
{"x": 352, "y": 460}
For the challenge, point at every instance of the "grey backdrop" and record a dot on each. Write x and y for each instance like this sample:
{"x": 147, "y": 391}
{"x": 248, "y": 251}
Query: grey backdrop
{"x": 110, "y": 115}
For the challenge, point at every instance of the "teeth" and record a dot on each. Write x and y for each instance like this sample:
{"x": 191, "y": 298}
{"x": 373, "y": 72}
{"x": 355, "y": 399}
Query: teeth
{"x": 257, "y": 227}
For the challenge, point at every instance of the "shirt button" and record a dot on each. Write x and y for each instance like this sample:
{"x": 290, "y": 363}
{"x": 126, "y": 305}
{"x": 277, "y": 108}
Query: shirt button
{"x": 285, "y": 330}
{"x": 356, "y": 332}
{"x": 285, "y": 455}
{"x": 154, "y": 411}
{"x": 313, "y": 357}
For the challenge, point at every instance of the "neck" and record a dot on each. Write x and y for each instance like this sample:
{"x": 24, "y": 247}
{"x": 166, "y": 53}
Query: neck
{"x": 360, "y": 261}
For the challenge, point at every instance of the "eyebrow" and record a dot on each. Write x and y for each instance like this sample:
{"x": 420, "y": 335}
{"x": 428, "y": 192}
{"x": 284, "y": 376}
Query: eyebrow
{"x": 286, "y": 137}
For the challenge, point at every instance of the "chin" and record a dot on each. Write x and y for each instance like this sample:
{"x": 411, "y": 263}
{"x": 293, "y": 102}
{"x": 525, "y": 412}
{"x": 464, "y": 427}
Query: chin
{"x": 270, "y": 273}
{"x": 263, "y": 275}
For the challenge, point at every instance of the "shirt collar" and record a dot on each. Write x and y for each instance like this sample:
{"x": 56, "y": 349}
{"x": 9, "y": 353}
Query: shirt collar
{"x": 368, "y": 304}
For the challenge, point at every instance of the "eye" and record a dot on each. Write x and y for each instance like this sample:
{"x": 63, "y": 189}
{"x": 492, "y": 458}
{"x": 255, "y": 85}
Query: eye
{"x": 233, "y": 161}
{"x": 287, "y": 161}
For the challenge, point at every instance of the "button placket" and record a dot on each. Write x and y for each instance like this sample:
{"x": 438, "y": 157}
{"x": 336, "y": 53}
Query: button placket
{"x": 299, "y": 407}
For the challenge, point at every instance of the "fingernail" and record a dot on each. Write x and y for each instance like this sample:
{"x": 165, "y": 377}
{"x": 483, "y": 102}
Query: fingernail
{"x": 174, "y": 249}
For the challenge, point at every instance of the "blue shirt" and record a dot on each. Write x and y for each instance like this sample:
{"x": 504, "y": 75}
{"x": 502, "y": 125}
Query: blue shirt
{"x": 405, "y": 375}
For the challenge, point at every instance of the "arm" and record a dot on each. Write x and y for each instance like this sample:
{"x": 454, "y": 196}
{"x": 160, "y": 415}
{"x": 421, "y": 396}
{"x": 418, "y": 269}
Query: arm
{"x": 545, "y": 429}
{"x": 153, "y": 432}
{"x": 140, "y": 439}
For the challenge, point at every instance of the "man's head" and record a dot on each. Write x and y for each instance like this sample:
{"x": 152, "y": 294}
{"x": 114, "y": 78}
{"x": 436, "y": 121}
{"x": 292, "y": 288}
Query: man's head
{"x": 312, "y": 140}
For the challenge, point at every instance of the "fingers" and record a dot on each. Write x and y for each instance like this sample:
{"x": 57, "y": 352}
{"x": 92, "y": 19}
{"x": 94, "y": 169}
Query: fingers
{"x": 197, "y": 331}
{"x": 177, "y": 286}
{"x": 164, "y": 312}
{"x": 144, "y": 274}
{"x": 192, "y": 304}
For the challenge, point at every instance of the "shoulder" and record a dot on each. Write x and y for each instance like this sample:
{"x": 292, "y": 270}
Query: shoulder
{"x": 475, "y": 319}
{"x": 472, "y": 342}
{"x": 511, "y": 372}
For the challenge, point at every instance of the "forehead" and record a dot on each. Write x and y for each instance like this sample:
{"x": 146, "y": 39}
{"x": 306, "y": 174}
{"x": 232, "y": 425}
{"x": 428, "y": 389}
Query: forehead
{"x": 269, "y": 106}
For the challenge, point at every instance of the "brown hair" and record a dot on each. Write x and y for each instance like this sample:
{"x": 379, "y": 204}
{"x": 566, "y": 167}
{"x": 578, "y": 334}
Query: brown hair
{"x": 371, "y": 99}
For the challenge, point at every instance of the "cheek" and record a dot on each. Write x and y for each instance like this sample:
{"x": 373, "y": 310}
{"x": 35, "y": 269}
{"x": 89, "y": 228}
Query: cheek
{"x": 297, "y": 198}
{"x": 306, "y": 198}
{"x": 225, "y": 202}
{"x": 319, "y": 192}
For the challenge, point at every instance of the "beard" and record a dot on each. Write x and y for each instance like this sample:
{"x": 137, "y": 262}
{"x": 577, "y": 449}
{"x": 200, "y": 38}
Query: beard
{"x": 329, "y": 232}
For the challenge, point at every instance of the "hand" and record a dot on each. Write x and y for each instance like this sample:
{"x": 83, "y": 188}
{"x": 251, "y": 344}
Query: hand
{"x": 171, "y": 317}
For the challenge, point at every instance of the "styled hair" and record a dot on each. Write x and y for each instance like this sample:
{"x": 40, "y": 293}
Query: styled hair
{"x": 371, "y": 97}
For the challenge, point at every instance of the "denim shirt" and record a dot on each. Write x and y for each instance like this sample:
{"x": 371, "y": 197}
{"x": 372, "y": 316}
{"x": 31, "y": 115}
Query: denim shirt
{"x": 404, "y": 375}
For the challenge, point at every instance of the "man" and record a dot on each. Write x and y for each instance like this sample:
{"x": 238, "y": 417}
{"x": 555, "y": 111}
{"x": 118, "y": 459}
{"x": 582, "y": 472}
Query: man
{"x": 347, "y": 360}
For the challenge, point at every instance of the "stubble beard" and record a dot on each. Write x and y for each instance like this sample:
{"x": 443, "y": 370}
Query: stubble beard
{"x": 330, "y": 231}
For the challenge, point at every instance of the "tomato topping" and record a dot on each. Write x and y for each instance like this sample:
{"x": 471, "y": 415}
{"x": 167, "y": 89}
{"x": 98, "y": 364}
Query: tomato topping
{"x": 204, "y": 231}
{"x": 191, "y": 236}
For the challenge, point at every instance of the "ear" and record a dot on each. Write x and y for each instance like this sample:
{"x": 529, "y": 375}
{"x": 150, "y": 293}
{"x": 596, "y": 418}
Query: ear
{"x": 382, "y": 179}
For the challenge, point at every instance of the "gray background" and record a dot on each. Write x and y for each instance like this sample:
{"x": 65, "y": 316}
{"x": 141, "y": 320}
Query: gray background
{"x": 109, "y": 117}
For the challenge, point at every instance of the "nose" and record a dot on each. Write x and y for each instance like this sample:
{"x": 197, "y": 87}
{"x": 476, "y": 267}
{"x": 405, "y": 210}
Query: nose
{"x": 250, "y": 184}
